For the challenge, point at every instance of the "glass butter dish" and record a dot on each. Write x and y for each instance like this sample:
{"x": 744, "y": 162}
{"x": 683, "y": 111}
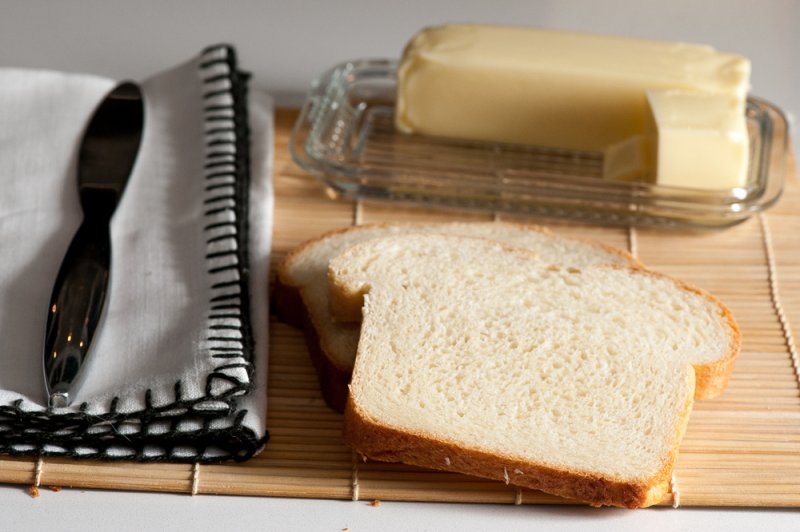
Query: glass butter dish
{"x": 345, "y": 135}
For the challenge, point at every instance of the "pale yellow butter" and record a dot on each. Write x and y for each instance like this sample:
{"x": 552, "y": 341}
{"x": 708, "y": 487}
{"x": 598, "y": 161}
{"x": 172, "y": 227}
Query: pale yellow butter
{"x": 698, "y": 140}
{"x": 548, "y": 88}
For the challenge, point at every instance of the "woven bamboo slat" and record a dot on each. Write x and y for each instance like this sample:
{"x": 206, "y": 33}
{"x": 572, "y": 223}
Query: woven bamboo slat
{"x": 742, "y": 449}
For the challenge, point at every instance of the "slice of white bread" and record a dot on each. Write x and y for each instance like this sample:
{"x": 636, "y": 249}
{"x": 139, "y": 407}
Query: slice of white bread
{"x": 301, "y": 289}
{"x": 478, "y": 358}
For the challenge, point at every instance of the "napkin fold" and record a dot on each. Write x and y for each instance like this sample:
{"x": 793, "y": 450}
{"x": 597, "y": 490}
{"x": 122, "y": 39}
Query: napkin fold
{"x": 177, "y": 368}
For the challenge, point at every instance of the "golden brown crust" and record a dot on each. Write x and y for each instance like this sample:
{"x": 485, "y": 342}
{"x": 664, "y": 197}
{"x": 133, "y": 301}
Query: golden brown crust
{"x": 387, "y": 444}
{"x": 712, "y": 378}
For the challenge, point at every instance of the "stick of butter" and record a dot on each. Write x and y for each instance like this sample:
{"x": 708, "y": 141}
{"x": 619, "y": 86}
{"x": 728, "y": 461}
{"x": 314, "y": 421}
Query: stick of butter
{"x": 548, "y": 88}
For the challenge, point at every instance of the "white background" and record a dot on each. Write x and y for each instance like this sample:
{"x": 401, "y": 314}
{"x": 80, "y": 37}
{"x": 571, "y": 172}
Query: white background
{"x": 286, "y": 44}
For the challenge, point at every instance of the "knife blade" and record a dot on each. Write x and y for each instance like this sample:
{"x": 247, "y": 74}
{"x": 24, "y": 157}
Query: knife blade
{"x": 107, "y": 154}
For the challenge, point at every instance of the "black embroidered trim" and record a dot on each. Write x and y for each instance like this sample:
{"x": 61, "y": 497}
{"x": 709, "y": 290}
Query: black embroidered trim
{"x": 225, "y": 94}
{"x": 204, "y": 445}
{"x": 155, "y": 433}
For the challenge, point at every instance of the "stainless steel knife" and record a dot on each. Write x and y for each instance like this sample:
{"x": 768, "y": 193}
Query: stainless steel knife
{"x": 107, "y": 155}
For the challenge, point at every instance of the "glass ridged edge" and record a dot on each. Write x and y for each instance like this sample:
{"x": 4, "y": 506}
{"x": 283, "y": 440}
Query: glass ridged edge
{"x": 345, "y": 135}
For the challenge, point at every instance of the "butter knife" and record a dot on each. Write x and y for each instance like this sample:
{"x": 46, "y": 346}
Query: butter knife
{"x": 107, "y": 154}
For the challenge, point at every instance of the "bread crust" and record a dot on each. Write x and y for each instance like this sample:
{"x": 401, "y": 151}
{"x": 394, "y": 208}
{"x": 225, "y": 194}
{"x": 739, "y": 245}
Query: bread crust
{"x": 384, "y": 443}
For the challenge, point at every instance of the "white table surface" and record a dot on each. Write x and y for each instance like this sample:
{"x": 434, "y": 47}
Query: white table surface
{"x": 81, "y": 510}
{"x": 285, "y": 45}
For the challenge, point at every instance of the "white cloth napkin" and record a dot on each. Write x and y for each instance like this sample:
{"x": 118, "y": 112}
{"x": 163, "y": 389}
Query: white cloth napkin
{"x": 177, "y": 368}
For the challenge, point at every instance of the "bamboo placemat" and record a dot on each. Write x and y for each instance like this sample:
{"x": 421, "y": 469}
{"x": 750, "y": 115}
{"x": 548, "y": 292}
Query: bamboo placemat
{"x": 742, "y": 449}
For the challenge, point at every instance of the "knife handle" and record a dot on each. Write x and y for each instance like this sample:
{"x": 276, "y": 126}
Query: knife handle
{"x": 75, "y": 307}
